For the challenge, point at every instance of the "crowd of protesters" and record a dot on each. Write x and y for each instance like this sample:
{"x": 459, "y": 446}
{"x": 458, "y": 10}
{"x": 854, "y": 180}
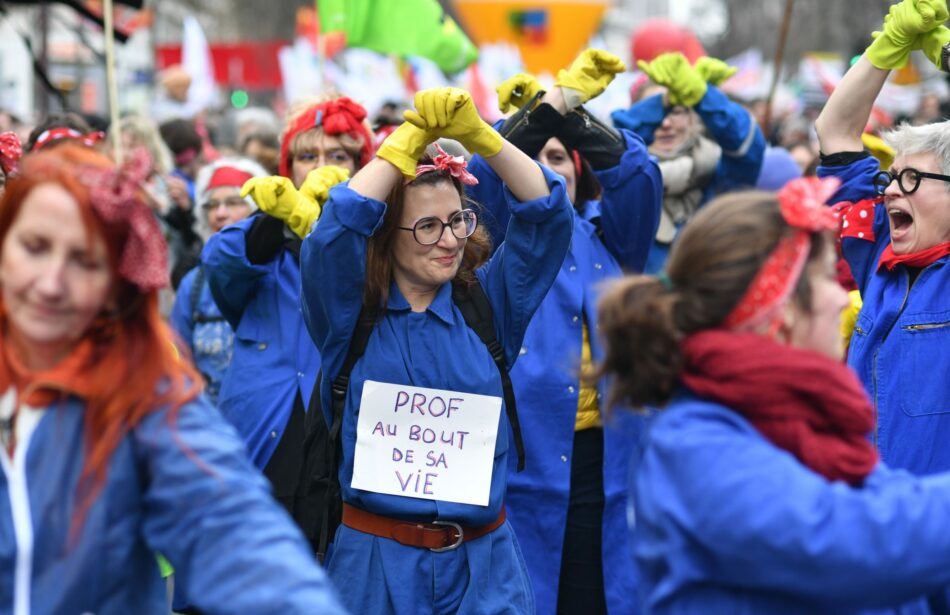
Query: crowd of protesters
{"x": 701, "y": 367}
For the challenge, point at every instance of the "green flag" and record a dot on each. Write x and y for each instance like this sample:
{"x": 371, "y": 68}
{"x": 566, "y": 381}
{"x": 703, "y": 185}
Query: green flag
{"x": 405, "y": 27}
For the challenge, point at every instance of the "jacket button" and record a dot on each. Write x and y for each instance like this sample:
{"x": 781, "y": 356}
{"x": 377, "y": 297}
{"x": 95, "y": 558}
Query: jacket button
{"x": 563, "y": 457}
{"x": 262, "y": 346}
{"x": 273, "y": 435}
{"x": 570, "y": 389}
{"x": 523, "y": 351}
{"x": 598, "y": 266}
{"x": 574, "y": 319}
{"x": 572, "y": 268}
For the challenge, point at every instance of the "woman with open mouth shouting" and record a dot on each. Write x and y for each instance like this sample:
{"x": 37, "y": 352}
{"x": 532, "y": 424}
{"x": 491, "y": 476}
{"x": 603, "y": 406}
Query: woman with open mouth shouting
{"x": 895, "y": 229}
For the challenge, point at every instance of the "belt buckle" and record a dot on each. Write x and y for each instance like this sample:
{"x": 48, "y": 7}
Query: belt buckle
{"x": 458, "y": 541}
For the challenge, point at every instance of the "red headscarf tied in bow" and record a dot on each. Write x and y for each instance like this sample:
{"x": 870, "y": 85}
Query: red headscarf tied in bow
{"x": 10, "y": 152}
{"x": 453, "y": 165}
{"x": 338, "y": 116}
{"x": 116, "y": 198}
{"x": 803, "y": 206}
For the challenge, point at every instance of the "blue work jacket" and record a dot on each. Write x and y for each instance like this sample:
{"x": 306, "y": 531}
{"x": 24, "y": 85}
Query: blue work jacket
{"x": 725, "y": 522}
{"x": 207, "y": 334}
{"x": 728, "y": 123}
{"x": 901, "y": 342}
{"x": 611, "y": 236}
{"x": 274, "y": 360}
{"x": 433, "y": 349}
{"x": 181, "y": 486}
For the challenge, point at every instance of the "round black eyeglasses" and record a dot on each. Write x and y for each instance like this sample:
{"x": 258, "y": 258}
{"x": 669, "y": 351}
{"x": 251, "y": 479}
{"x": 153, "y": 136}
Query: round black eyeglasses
{"x": 908, "y": 179}
{"x": 428, "y": 231}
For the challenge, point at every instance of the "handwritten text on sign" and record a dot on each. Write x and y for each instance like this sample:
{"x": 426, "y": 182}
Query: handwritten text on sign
{"x": 425, "y": 443}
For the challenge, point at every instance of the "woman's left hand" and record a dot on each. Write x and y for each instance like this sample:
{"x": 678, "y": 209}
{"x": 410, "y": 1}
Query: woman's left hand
{"x": 451, "y": 113}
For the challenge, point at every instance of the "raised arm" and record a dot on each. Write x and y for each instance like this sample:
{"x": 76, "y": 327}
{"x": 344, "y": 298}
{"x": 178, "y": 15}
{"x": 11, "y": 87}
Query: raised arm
{"x": 844, "y": 116}
{"x": 451, "y": 113}
{"x": 909, "y": 25}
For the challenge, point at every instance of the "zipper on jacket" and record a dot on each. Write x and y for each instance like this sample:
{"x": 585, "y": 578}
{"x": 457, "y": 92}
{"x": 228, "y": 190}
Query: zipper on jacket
{"x": 884, "y": 337}
{"x": 588, "y": 124}
{"x": 19, "y": 495}
{"x": 927, "y": 326}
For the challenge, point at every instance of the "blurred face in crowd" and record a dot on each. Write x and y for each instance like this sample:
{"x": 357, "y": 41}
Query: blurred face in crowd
{"x": 426, "y": 267}
{"x": 55, "y": 277}
{"x": 266, "y": 155}
{"x": 819, "y": 328}
{"x": 225, "y": 206}
{"x": 556, "y": 157}
{"x": 921, "y": 219}
{"x": 310, "y": 154}
{"x": 676, "y": 126}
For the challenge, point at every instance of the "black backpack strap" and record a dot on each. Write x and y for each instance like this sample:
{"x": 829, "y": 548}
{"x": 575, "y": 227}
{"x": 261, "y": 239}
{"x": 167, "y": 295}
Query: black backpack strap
{"x": 477, "y": 312}
{"x": 364, "y": 327}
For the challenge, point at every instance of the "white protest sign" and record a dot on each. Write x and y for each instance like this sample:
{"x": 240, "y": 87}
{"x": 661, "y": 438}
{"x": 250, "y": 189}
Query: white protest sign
{"x": 425, "y": 443}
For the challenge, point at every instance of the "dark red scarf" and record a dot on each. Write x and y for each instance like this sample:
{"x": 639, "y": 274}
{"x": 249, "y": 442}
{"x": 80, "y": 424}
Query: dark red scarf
{"x": 914, "y": 259}
{"x": 801, "y": 401}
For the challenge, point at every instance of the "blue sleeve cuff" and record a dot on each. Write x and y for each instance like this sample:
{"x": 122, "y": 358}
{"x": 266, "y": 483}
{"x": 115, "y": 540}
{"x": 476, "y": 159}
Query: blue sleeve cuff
{"x": 642, "y": 118}
{"x": 539, "y": 210}
{"x": 631, "y": 163}
{"x": 857, "y": 179}
{"x": 361, "y": 214}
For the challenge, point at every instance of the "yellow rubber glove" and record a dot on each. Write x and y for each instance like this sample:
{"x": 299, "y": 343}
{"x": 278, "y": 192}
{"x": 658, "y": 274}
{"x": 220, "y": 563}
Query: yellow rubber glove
{"x": 904, "y": 23}
{"x": 315, "y": 191}
{"x": 515, "y": 92}
{"x": 403, "y": 148}
{"x": 932, "y": 44}
{"x": 276, "y": 196}
{"x": 684, "y": 85}
{"x": 588, "y": 76}
{"x": 713, "y": 70}
{"x": 451, "y": 113}
{"x": 849, "y": 317}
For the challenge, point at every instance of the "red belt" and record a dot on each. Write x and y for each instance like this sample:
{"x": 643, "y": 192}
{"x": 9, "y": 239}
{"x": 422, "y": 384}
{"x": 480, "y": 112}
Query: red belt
{"x": 435, "y": 536}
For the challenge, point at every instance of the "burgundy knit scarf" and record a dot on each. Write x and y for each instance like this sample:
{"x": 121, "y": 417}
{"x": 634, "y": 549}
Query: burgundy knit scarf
{"x": 803, "y": 402}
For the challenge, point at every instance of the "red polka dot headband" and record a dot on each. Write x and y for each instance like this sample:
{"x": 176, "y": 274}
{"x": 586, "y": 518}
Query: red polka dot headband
{"x": 803, "y": 205}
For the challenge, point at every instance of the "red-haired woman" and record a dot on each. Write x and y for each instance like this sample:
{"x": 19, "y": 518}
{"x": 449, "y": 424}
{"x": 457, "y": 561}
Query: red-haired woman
{"x": 109, "y": 452}
{"x": 758, "y": 489}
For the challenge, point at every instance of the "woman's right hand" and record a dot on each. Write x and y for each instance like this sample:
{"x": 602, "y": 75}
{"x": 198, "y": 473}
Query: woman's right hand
{"x": 404, "y": 146}
{"x": 451, "y": 113}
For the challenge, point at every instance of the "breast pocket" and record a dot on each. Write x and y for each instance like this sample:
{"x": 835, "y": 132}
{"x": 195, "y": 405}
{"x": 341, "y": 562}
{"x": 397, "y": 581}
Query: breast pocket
{"x": 925, "y": 362}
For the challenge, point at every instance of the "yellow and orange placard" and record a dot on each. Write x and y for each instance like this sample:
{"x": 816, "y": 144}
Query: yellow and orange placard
{"x": 549, "y": 33}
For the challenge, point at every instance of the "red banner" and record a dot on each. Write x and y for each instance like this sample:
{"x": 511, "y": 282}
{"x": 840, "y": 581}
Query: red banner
{"x": 246, "y": 66}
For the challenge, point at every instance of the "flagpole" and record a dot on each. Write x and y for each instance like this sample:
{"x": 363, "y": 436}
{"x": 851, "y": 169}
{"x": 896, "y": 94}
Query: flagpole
{"x": 321, "y": 47}
{"x": 777, "y": 67}
{"x": 111, "y": 85}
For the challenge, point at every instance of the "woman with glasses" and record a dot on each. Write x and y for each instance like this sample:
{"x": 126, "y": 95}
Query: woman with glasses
{"x": 676, "y": 106}
{"x": 195, "y": 316}
{"x": 576, "y": 462}
{"x": 254, "y": 274}
{"x": 392, "y": 245}
{"x": 895, "y": 235}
